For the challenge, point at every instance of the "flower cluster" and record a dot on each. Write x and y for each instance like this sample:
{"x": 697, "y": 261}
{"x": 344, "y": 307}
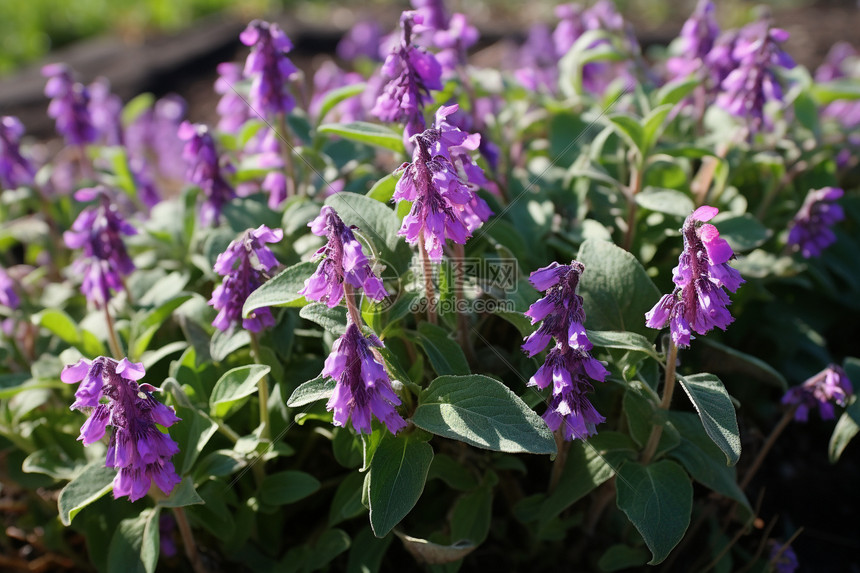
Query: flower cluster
{"x": 841, "y": 62}
{"x": 810, "y": 231}
{"x": 104, "y": 261}
{"x": 15, "y": 169}
{"x": 696, "y": 41}
{"x": 343, "y": 260}
{"x": 137, "y": 448}
{"x": 8, "y": 297}
{"x": 363, "y": 388}
{"x": 568, "y": 367}
{"x": 69, "y": 105}
{"x": 244, "y": 265}
{"x": 822, "y": 390}
{"x": 269, "y": 67}
{"x": 698, "y": 302}
{"x": 412, "y": 73}
{"x": 363, "y": 40}
{"x": 204, "y": 170}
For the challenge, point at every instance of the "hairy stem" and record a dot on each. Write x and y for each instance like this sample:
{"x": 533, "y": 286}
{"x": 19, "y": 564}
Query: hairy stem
{"x": 558, "y": 464}
{"x": 668, "y": 390}
{"x": 462, "y": 316}
{"x": 263, "y": 389}
{"x": 113, "y": 339}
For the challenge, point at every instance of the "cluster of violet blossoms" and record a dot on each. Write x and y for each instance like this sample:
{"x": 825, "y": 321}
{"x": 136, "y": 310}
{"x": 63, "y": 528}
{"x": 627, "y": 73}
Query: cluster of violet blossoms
{"x": 568, "y": 367}
{"x": 810, "y": 231}
{"x": 697, "y": 39}
{"x": 104, "y": 261}
{"x": 204, "y": 170}
{"x": 69, "y": 105}
{"x": 444, "y": 205}
{"x": 15, "y": 169}
{"x": 412, "y": 73}
{"x": 698, "y": 302}
{"x": 8, "y": 296}
{"x": 137, "y": 448}
{"x": 269, "y": 67}
{"x": 244, "y": 265}
{"x": 343, "y": 261}
{"x": 822, "y": 390}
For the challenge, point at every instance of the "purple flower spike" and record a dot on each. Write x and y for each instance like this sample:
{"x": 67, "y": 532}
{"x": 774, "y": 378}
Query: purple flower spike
{"x": 361, "y": 41}
{"x": 104, "y": 260}
{"x": 698, "y": 302}
{"x": 204, "y": 170}
{"x": 697, "y": 39}
{"x": 269, "y": 67}
{"x": 412, "y": 72}
{"x": 137, "y": 448}
{"x": 568, "y": 367}
{"x": 810, "y": 231}
{"x": 8, "y": 297}
{"x": 783, "y": 560}
{"x": 841, "y": 62}
{"x": 343, "y": 260}
{"x": 822, "y": 390}
{"x": 244, "y": 265}
{"x": 232, "y": 108}
{"x": 105, "y": 111}
{"x": 363, "y": 388}
{"x": 15, "y": 170}
{"x": 69, "y": 105}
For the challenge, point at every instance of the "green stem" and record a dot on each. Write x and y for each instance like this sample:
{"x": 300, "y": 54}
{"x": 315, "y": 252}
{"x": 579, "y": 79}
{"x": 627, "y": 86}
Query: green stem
{"x": 459, "y": 297}
{"x": 263, "y": 389}
{"x": 632, "y": 191}
{"x": 113, "y": 339}
{"x": 668, "y": 390}
{"x": 558, "y": 464}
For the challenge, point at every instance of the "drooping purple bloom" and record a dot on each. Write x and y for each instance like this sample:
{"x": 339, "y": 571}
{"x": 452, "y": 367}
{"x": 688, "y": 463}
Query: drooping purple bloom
{"x": 105, "y": 110}
{"x": 104, "y": 260}
{"x": 453, "y": 41}
{"x": 343, "y": 260}
{"x": 204, "y": 170}
{"x": 153, "y": 143}
{"x": 137, "y": 448}
{"x": 829, "y": 386}
{"x": 433, "y": 13}
{"x": 232, "y": 107}
{"x": 698, "y": 302}
{"x": 8, "y": 297}
{"x": 441, "y": 201}
{"x": 697, "y": 39}
{"x": 783, "y": 560}
{"x": 361, "y": 41}
{"x": 363, "y": 389}
{"x": 15, "y": 169}
{"x": 69, "y": 105}
{"x": 244, "y": 265}
{"x": 841, "y": 62}
{"x": 810, "y": 231}
{"x": 412, "y": 73}
{"x": 569, "y": 368}
{"x": 538, "y": 63}
{"x": 753, "y": 81}
{"x": 269, "y": 67}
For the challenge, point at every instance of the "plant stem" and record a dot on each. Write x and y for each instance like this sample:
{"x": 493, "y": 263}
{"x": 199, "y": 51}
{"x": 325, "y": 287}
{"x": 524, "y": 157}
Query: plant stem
{"x": 263, "y": 388}
{"x": 113, "y": 339}
{"x": 460, "y": 306}
{"x": 351, "y": 306}
{"x": 633, "y": 189}
{"x": 287, "y": 154}
{"x": 558, "y": 464}
{"x": 771, "y": 440}
{"x": 429, "y": 291}
{"x": 188, "y": 540}
{"x": 668, "y": 389}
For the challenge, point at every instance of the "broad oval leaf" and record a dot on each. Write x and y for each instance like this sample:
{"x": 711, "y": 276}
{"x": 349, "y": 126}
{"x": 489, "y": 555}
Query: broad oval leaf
{"x": 668, "y": 201}
{"x": 623, "y": 341}
{"x": 233, "y": 386}
{"x": 319, "y": 388}
{"x": 92, "y": 483}
{"x": 282, "y": 289}
{"x": 716, "y": 411}
{"x": 364, "y": 132}
{"x": 846, "y": 428}
{"x": 287, "y": 487}
{"x": 134, "y": 547}
{"x": 658, "y": 500}
{"x": 483, "y": 412}
{"x": 332, "y": 319}
{"x": 335, "y": 96}
{"x": 446, "y": 356}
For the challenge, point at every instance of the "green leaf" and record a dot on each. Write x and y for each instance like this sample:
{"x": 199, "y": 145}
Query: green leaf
{"x": 282, "y": 289}
{"x": 675, "y": 91}
{"x": 225, "y": 343}
{"x": 470, "y": 518}
{"x": 620, "y": 556}
{"x": 233, "y": 386}
{"x": 52, "y": 461}
{"x": 806, "y": 112}
{"x": 320, "y": 388}
{"x": 669, "y": 201}
{"x": 623, "y": 341}
{"x": 482, "y": 412}
{"x": 346, "y": 502}
{"x": 658, "y": 500}
{"x": 135, "y": 107}
{"x": 366, "y": 552}
{"x": 383, "y": 190}
{"x": 332, "y": 319}
{"x": 717, "y": 412}
{"x": 17, "y": 382}
{"x": 369, "y": 133}
{"x": 846, "y": 428}
{"x": 841, "y": 89}
{"x": 454, "y": 474}
{"x": 446, "y": 356}
{"x": 182, "y": 495}
{"x": 743, "y": 232}
{"x": 146, "y": 326}
{"x": 335, "y": 96}
{"x": 134, "y": 547}
{"x": 92, "y": 483}
{"x": 287, "y": 487}
{"x": 730, "y": 360}
{"x": 630, "y": 129}
{"x": 329, "y": 545}
{"x": 653, "y": 125}
{"x": 396, "y": 479}
{"x": 61, "y": 324}
{"x": 589, "y": 464}
{"x": 616, "y": 290}
{"x": 192, "y": 434}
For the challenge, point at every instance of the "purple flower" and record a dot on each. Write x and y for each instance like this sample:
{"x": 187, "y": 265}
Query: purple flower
{"x": 154, "y": 147}
{"x": 244, "y": 265}
{"x": 361, "y": 41}
{"x": 8, "y": 297}
{"x": 69, "y": 105}
{"x": 432, "y": 12}
{"x": 137, "y": 448}
{"x": 783, "y": 560}
{"x": 412, "y": 72}
{"x": 698, "y": 302}
{"x": 810, "y": 231}
{"x": 105, "y": 111}
{"x": 753, "y": 80}
{"x": 343, "y": 260}
{"x": 104, "y": 260}
{"x": 15, "y": 170}
{"x": 568, "y": 368}
{"x": 204, "y": 170}
{"x": 232, "y": 107}
{"x": 841, "y": 62}
{"x": 269, "y": 67}
{"x": 363, "y": 388}
{"x": 697, "y": 39}
{"x": 822, "y": 390}
{"x": 538, "y": 63}
{"x": 453, "y": 41}
{"x": 329, "y": 77}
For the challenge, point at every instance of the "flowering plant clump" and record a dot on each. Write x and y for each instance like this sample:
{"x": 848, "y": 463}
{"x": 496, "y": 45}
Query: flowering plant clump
{"x": 408, "y": 310}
